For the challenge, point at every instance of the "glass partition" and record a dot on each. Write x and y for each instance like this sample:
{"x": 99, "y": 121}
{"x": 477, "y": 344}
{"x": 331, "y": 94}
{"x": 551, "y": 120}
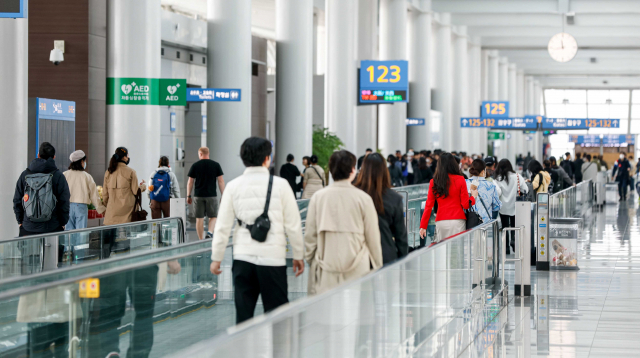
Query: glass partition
{"x": 38, "y": 253}
{"x": 575, "y": 201}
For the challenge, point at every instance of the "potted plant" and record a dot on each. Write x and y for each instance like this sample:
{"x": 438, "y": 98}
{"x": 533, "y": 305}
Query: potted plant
{"x": 324, "y": 144}
{"x": 92, "y": 211}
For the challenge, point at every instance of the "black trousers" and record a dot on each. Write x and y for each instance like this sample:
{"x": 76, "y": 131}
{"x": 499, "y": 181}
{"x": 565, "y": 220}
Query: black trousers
{"x": 251, "y": 281}
{"x": 622, "y": 186}
{"x": 509, "y": 221}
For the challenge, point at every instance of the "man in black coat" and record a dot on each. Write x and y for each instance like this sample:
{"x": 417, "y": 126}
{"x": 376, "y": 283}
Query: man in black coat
{"x": 620, "y": 172}
{"x": 577, "y": 168}
{"x": 567, "y": 165}
{"x": 45, "y": 164}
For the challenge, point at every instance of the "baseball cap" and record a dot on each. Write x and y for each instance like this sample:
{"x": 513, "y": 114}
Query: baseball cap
{"x": 489, "y": 160}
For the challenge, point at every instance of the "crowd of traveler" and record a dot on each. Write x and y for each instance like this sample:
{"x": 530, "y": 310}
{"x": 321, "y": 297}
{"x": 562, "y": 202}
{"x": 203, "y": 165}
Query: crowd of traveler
{"x": 355, "y": 222}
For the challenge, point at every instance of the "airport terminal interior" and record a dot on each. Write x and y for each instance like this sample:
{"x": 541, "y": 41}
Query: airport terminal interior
{"x": 126, "y": 127}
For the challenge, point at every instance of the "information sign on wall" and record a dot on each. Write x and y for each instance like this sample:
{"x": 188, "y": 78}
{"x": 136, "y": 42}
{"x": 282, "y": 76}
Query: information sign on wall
{"x": 608, "y": 140}
{"x": 414, "y": 122}
{"x": 384, "y": 82}
{"x": 13, "y": 8}
{"x": 495, "y": 135}
{"x": 495, "y": 109}
{"x": 214, "y": 95}
{"x": 146, "y": 91}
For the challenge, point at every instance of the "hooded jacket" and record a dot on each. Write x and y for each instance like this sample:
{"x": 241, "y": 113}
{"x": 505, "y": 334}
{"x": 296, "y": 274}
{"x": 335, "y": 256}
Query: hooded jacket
{"x": 60, "y": 191}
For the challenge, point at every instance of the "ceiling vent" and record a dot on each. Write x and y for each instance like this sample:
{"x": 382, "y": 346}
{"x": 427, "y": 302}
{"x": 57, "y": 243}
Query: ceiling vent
{"x": 571, "y": 18}
{"x": 594, "y": 60}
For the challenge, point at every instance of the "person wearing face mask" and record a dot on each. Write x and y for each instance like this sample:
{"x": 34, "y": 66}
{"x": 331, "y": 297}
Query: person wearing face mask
{"x": 620, "y": 173}
{"x": 83, "y": 192}
{"x": 120, "y": 188}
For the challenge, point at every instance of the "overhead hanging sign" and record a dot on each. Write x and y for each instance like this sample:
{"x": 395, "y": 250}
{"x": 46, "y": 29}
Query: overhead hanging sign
{"x": 495, "y": 135}
{"x": 414, "y": 122}
{"x": 384, "y": 82}
{"x": 214, "y": 95}
{"x": 505, "y": 123}
{"x": 608, "y": 140}
{"x": 146, "y": 91}
{"x": 13, "y": 9}
{"x": 579, "y": 123}
{"x": 495, "y": 109}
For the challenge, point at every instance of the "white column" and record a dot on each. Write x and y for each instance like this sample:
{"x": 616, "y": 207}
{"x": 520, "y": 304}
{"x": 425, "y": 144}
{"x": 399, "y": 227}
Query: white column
{"x": 392, "y": 132}
{"x": 513, "y": 103}
{"x": 503, "y": 79}
{"x": 294, "y": 83}
{"x": 419, "y": 137}
{"x": 133, "y": 46}
{"x": 530, "y": 95}
{"x": 14, "y": 69}
{"x": 341, "y": 76}
{"x": 444, "y": 74}
{"x": 229, "y": 66}
{"x": 537, "y": 101}
{"x": 366, "y": 116}
{"x": 493, "y": 77}
{"x": 460, "y": 138}
{"x": 521, "y": 146}
{"x": 484, "y": 93}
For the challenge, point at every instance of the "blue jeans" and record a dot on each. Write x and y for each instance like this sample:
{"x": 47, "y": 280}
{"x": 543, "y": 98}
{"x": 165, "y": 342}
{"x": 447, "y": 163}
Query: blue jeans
{"x": 78, "y": 215}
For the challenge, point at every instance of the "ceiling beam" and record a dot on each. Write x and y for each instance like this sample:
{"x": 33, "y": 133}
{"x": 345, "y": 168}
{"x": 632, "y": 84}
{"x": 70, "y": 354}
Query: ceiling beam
{"x": 548, "y": 31}
{"x": 536, "y": 6}
{"x": 542, "y": 20}
{"x": 506, "y": 42}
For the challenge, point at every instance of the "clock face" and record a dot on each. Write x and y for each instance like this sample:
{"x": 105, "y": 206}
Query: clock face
{"x": 563, "y": 47}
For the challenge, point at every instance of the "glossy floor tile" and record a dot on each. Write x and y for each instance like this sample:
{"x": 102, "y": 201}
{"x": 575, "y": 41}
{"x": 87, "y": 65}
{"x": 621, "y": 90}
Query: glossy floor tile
{"x": 593, "y": 312}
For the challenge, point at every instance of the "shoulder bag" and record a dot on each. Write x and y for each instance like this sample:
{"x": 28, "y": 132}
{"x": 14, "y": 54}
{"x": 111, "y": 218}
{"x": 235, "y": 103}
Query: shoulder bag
{"x": 473, "y": 218}
{"x": 138, "y": 214}
{"x": 521, "y": 197}
{"x": 260, "y": 228}
{"x": 320, "y": 176}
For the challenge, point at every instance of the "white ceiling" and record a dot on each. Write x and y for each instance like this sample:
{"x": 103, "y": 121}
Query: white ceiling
{"x": 607, "y": 30}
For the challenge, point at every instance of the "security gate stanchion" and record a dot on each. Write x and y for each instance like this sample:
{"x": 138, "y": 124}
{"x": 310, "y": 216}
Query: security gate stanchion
{"x": 542, "y": 224}
{"x": 518, "y": 259}
{"x": 523, "y": 220}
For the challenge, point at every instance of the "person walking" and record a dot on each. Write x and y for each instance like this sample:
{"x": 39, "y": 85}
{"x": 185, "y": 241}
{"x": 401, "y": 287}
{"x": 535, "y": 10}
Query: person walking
{"x": 577, "y": 167}
{"x": 425, "y": 172}
{"x": 488, "y": 192}
{"x": 589, "y": 169}
{"x": 394, "y": 171}
{"x": 449, "y": 190}
{"x": 374, "y": 180}
{"x": 163, "y": 185}
{"x": 314, "y": 178}
{"x": 342, "y": 239}
{"x": 82, "y": 190}
{"x": 259, "y": 263}
{"x": 567, "y": 165}
{"x": 564, "y": 179}
{"x": 361, "y": 159}
{"x": 620, "y": 174}
{"x": 554, "y": 185}
{"x": 203, "y": 175}
{"x": 120, "y": 188}
{"x": 41, "y": 200}
{"x": 541, "y": 179}
{"x": 290, "y": 173}
{"x": 511, "y": 185}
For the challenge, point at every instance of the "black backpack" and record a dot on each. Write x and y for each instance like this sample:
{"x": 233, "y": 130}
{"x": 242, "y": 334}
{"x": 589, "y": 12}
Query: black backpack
{"x": 38, "y": 201}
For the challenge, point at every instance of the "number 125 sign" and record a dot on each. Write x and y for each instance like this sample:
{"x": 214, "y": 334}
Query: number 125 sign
{"x": 495, "y": 109}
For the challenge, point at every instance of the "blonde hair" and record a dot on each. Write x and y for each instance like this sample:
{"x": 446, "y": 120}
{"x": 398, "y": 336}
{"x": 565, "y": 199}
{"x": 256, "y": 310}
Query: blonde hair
{"x": 204, "y": 150}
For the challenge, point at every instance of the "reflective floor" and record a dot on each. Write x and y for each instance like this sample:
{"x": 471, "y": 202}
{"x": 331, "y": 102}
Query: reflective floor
{"x": 593, "y": 312}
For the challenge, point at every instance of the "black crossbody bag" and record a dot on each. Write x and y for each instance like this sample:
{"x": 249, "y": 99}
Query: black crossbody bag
{"x": 261, "y": 226}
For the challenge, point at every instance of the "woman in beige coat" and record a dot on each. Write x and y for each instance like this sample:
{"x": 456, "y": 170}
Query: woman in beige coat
{"x": 342, "y": 240}
{"x": 120, "y": 188}
{"x": 313, "y": 178}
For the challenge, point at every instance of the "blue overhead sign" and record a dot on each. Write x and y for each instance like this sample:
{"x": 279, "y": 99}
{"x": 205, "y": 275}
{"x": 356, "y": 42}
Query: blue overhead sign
{"x": 384, "y": 82}
{"x": 579, "y": 123}
{"x": 414, "y": 121}
{"x": 56, "y": 109}
{"x": 13, "y": 8}
{"x": 214, "y": 95}
{"x": 495, "y": 109}
{"x": 608, "y": 140}
{"x": 497, "y": 123}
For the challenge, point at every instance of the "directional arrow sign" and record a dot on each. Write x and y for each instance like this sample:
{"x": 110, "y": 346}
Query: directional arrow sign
{"x": 579, "y": 123}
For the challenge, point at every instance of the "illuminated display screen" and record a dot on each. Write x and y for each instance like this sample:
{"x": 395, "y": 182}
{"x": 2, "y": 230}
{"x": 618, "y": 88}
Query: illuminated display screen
{"x": 383, "y": 82}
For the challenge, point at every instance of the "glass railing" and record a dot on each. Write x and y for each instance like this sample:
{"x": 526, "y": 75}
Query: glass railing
{"x": 414, "y": 197}
{"x": 423, "y": 305}
{"x": 165, "y": 305}
{"x": 574, "y": 201}
{"x": 33, "y": 254}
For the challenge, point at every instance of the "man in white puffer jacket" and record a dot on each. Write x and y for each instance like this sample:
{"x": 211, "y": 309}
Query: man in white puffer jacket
{"x": 259, "y": 268}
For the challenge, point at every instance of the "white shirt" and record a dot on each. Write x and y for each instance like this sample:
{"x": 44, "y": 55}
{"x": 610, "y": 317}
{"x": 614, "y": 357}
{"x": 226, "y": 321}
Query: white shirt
{"x": 509, "y": 192}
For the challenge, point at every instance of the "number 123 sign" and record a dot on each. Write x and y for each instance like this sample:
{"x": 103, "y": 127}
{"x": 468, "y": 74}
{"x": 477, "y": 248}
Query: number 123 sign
{"x": 384, "y": 82}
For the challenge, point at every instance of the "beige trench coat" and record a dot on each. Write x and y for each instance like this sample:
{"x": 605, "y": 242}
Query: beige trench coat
{"x": 119, "y": 193}
{"x": 313, "y": 181}
{"x": 342, "y": 239}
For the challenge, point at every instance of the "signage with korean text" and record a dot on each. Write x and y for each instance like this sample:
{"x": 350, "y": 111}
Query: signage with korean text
{"x": 495, "y": 109}
{"x": 384, "y": 82}
{"x": 414, "y": 122}
{"x": 146, "y": 91}
{"x": 214, "y": 95}
{"x": 579, "y": 123}
{"x": 495, "y": 135}
{"x": 498, "y": 123}
{"x": 608, "y": 140}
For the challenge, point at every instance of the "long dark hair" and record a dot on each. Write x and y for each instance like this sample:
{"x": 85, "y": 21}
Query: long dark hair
{"x": 535, "y": 167}
{"x": 422, "y": 163}
{"x": 120, "y": 153}
{"x": 447, "y": 164}
{"x": 503, "y": 170}
{"x": 374, "y": 179}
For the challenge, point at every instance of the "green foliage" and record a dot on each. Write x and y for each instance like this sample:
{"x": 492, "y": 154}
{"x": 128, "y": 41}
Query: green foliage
{"x": 324, "y": 144}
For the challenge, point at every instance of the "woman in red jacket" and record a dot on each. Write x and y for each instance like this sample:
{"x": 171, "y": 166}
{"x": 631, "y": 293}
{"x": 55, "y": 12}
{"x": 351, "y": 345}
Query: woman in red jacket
{"x": 449, "y": 188}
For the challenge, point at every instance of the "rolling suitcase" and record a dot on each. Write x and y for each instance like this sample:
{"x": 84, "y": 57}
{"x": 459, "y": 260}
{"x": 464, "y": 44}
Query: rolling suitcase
{"x": 611, "y": 193}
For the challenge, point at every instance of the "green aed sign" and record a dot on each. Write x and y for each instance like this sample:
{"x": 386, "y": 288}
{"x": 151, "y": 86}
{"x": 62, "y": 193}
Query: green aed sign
{"x": 147, "y": 91}
{"x": 495, "y": 136}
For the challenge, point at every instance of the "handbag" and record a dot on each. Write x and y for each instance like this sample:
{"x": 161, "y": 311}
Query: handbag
{"x": 473, "y": 218}
{"x": 138, "y": 214}
{"x": 520, "y": 196}
{"x": 260, "y": 228}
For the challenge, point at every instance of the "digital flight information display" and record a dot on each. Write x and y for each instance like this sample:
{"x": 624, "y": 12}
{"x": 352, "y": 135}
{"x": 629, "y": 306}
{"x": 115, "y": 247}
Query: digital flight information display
{"x": 383, "y": 82}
